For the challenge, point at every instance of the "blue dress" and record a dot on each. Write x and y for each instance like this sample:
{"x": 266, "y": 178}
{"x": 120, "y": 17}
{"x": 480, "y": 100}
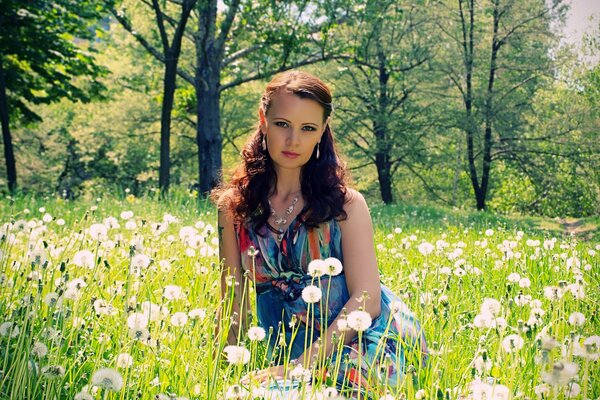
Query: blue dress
{"x": 279, "y": 271}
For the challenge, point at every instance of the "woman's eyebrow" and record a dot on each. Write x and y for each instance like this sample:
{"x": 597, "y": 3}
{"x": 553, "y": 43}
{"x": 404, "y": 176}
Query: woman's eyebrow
{"x": 304, "y": 123}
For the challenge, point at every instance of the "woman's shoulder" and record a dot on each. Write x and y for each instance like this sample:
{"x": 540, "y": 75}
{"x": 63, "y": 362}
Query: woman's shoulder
{"x": 355, "y": 203}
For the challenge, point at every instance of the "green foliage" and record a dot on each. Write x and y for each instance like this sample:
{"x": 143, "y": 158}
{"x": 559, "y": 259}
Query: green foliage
{"x": 42, "y": 48}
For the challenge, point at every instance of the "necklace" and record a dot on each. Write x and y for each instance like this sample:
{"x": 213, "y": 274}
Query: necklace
{"x": 280, "y": 220}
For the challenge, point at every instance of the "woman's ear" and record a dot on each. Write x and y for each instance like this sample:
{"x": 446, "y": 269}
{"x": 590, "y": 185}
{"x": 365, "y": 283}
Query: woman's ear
{"x": 263, "y": 120}
{"x": 325, "y": 125}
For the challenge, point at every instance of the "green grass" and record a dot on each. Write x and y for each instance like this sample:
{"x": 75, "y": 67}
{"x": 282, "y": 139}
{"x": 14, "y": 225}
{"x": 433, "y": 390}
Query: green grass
{"x": 445, "y": 289}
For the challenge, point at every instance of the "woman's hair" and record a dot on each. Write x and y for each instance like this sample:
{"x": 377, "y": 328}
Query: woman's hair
{"x": 323, "y": 180}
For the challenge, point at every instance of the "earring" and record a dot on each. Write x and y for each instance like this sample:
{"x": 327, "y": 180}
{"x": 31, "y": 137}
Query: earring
{"x": 318, "y": 153}
{"x": 264, "y": 142}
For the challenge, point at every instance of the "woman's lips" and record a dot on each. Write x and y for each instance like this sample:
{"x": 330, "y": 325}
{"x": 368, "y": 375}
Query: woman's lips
{"x": 290, "y": 154}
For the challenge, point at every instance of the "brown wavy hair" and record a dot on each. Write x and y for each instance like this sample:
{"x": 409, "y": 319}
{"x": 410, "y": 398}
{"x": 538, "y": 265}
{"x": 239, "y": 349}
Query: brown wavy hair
{"x": 323, "y": 180}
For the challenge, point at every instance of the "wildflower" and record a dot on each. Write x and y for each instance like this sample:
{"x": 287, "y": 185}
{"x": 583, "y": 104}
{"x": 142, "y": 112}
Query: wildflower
{"x": 561, "y": 374}
{"x": 84, "y": 258}
{"x": 426, "y": 248}
{"x": 317, "y": 268}
{"x": 300, "y": 374}
{"x": 359, "y": 320}
{"x": 51, "y": 299}
{"x": 311, "y": 294}
{"x": 524, "y": 283}
{"x": 482, "y": 364}
{"x": 39, "y": 349}
{"x": 137, "y": 321}
{"x": 256, "y": 333}
{"x": 484, "y": 391}
{"x": 47, "y": 218}
{"x": 542, "y": 391}
{"x": 53, "y": 371}
{"x": 130, "y": 225}
{"x": 187, "y": 232}
{"x": 125, "y": 215}
{"x": 489, "y": 232}
{"x": 577, "y": 319}
{"x": 421, "y": 394}
{"x": 592, "y": 347}
{"x": 111, "y": 223}
{"x": 237, "y": 355}
{"x": 553, "y": 292}
{"x": 103, "y": 308}
{"x": 334, "y": 266}
{"x": 572, "y": 390}
{"x": 236, "y": 392}
{"x": 514, "y": 277}
{"x": 98, "y": 231}
{"x": 490, "y": 306}
{"x": 9, "y": 329}
{"x": 522, "y": 300}
{"x": 179, "y": 319}
{"x": 83, "y": 396}
{"x": 140, "y": 261}
{"x": 108, "y": 378}
{"x": 197, "y": 313}
{"x": 173, "y": 292}
{"x": 124, "y": 360}
{"x": 512, "y": 343}
{"x": 342, "y": 325}
{"x": 141, "y": 334}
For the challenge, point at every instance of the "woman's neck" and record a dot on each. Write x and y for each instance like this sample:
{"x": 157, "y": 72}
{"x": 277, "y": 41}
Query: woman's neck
{"x": 288, "y": 183}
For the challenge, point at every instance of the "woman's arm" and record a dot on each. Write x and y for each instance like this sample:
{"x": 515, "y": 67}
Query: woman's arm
{"x": 231, "y": 271}
{"x": 360, "y": 268}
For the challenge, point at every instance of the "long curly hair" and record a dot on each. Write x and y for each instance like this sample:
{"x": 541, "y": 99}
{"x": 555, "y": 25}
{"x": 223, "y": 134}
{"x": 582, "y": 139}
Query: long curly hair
{"x": 323, "y": 179}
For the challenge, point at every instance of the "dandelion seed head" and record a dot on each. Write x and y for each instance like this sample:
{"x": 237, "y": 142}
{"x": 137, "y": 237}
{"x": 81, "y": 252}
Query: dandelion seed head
{"x": 359, "y": 320}
{"x": 108, "y": 378}
{"x": 311, "y": 294}
{"x": 256, "y": 333}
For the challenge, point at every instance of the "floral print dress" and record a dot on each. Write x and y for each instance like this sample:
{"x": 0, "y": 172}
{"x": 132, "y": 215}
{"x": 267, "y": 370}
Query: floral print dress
{"x": 279, "y": 271}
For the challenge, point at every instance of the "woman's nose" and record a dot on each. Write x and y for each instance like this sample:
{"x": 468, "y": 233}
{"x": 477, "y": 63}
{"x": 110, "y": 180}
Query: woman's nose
{"x": 293, "y": 137}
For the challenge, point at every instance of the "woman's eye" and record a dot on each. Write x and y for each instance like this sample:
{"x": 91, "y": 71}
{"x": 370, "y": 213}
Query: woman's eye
{"x": 281, "y": 124}
{"x": 309, "y": 128}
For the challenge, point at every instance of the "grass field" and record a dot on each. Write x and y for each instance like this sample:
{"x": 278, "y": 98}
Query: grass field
{"x": 118, "y": 299}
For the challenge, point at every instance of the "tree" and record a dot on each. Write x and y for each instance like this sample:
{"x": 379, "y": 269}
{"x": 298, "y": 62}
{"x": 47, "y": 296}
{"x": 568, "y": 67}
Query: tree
{"x": 41, "y": 53}
{"x": 243, "y": 42}
{"x": 170, "y": 57}
{"x": 504, "y": 56}
{"x": 383, "y": 120}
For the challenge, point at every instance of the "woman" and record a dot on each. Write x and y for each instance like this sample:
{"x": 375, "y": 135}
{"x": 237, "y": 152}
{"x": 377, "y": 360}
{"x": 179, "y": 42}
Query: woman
{"x": 287, "y": 205}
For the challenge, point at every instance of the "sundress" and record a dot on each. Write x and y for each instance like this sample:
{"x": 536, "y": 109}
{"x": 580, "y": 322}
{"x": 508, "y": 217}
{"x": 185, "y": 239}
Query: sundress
{"x": 279, "y": 271}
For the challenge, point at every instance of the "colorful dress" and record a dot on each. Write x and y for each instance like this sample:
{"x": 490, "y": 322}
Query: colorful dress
{"x": 279, "y": 271}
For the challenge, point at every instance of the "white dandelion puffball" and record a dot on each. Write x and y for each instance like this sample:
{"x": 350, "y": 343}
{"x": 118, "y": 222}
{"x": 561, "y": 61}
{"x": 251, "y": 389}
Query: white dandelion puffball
{"x": 333, "y": 266}
{"x": 98, "y": 231}
{"x": 342, "y": 325}
{"x": 108, "y": 378}
{"x": 512, "y": 343}
{"x": 490, "y": 306}
{"x": 39, "y": 349}
{"x": 53, "y": 371}
{"x": 130, "y": 225}
{"x": 561, "y": 374}
{"x": 179, "y": 319}
{"x": 84, "y": 258}
{"x": 173, "y": 292}
{"x": 426, "y": 248}
{"x": 317, "y": 268}
{"x": 140, "y": 261}
{"x": 489, "y": 232}
{"x": 9, "y": 329}
{"x": 237, "y": 355}
{"x": 197, "y": 313}
{"x": 83, "y": 396}
{"x": 577, "y": 319}
{"x": 126, "y": 215}
{"x": 256, "y": 333}
{"x": 311, "y": 294}
{"x": 124, "y": 360}
{"x": 359, "y": 320}
{"x": 137, "y": 321}
{"x": 154, "y": 312}
{"x": 301, "y": 374}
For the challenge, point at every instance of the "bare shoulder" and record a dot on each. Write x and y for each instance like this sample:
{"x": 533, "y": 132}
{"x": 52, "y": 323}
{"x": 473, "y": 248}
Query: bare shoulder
{"x": 355, "y": 205}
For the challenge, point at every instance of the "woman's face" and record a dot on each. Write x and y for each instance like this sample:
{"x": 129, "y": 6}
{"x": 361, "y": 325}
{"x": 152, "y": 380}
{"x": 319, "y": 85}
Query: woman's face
{"x": 293, "y": 127}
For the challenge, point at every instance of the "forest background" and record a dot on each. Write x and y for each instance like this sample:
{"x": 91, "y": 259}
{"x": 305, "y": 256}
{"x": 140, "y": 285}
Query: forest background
{"x": 463, "y": 103}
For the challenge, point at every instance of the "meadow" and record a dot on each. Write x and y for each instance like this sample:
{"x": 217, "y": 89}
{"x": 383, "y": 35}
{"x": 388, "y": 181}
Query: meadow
{"x": 119, "y": 299}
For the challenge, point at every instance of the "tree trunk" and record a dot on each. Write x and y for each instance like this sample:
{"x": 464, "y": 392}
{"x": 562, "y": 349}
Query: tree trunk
{"x": 489, "y": 112}
{"x": 382, "y": 162}
{"x": 9, "y": 155}
{"x": 165, "y": 122}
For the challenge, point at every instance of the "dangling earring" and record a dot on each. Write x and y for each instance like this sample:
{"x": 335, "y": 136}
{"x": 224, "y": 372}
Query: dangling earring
{"x": 318, "y": 153}
{"x": 264, "y": 142}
